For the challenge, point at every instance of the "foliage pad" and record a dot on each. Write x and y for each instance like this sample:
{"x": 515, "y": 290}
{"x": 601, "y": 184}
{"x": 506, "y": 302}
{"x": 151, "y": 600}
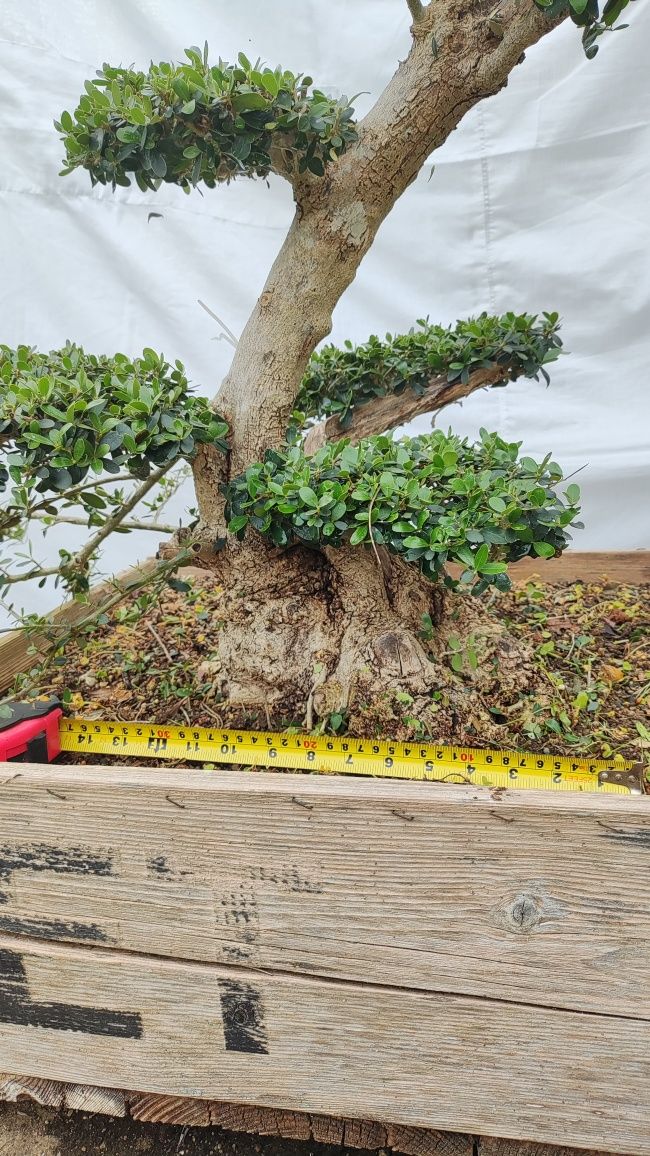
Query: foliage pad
{"x": 190, "y": 123}
{"x": 432, "y": 500}
{"x": 338, "y": 380}
{"x": 67, "y": 412}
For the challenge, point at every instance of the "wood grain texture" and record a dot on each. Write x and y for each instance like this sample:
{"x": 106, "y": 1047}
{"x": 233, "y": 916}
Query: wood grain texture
{"x": 351, "y": 1050}
{"x": 540, "y": 898}
{"x": 631, "y": 566}
{"x": 363, "y": 1134}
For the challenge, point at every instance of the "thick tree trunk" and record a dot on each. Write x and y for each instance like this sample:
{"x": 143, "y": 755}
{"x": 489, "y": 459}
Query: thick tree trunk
{"x": 306, "y": 634}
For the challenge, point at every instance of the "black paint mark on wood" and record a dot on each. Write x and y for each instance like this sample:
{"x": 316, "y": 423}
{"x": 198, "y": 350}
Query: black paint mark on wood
{"x": 236, "y": 954}
{"x": 243, "y": 1018}
{"x": 240, "y": 914}
{"x": 636, "y": 836}
{"x": 54, "y": 929}
{"x": 291, "y": 878}
{"x": 41, "y": 857}
{"x": 159, "y": 865}
{"x": 17, "y": 1007}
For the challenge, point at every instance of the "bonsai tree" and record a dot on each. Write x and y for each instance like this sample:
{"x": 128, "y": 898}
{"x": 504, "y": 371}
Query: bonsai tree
{"x": 349, "y": 558}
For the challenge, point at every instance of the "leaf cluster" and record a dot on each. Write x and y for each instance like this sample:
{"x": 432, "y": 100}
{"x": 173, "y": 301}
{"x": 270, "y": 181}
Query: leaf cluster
{"x": 65, "y": 413}
{"x": 190, "y": 123}
{"x": 593, "y": 17}
{"x": 432, "y": 500}
{"x": 339, "y": 379}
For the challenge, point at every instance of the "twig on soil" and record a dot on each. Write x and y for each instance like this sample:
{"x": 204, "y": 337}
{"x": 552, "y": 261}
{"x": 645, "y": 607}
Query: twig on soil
{"x": 152, "y": 630}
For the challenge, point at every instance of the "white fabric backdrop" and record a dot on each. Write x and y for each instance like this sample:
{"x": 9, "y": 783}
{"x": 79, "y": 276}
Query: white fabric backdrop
{"x": 538, "y": 201}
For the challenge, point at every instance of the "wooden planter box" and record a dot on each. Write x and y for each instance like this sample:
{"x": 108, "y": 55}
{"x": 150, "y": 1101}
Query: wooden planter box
{"x": 362, "y": 959}
{"x": 434, "y": 956}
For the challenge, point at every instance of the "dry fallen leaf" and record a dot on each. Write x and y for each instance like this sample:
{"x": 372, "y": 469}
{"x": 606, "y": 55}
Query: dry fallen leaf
{"x": 612, "y": 673}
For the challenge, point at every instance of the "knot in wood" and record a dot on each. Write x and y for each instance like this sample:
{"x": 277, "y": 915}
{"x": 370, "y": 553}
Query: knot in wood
{"x": 524, "y": 912}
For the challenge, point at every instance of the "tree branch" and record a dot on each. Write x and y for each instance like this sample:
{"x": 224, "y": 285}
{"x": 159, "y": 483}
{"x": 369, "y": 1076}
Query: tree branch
{"x": 83, "y": 557}
{"x": 130, "y": 525}
{"x": 416, "y": 9}
{"x": 397, "y": 409}
{"x": 37, "y": 572}
{"x": 455, "y": 61}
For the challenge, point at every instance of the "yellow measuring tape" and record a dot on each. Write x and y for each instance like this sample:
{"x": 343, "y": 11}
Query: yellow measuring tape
{"x": 351, "y": 756}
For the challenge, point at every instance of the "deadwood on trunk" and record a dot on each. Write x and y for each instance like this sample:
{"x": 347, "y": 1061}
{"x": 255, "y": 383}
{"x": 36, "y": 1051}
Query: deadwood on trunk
{"x": 395, "y": 409}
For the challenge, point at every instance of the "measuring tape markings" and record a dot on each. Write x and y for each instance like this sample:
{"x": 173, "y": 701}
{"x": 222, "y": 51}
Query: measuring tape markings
{"x": 385, "y": 759}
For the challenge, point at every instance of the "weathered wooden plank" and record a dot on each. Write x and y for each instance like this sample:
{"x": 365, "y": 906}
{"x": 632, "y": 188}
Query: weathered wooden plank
{"x": 534, "y": 897}
{"x": 493, "y": 1146}
{"x": 96, "y": 1016}
{"x": 55, "y": 1094}
{"x": 631, "y": 566}
{"x": 149, "y": 1108}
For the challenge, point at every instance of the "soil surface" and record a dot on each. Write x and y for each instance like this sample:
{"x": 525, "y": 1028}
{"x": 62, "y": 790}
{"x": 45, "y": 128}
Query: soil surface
{"x": 590, "y": 692}
{"x": 29, "y": 1130}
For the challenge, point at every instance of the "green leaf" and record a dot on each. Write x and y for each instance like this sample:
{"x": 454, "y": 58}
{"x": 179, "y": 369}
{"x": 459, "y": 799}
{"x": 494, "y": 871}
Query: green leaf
{"x": 248, "y": 101}
{"x": 309, "y": 496}
{"x": 466, "y": 556}
{"x": 158, "y": 164}
{"x": 238, "y": 523}
{"x": 481, "y": 556}
{"x": 270, "y": 82}
{"x": 387, "y": 484}
{"x": 494, "y": 568}
{"x": 572, "y": 494}
{"x": 359, "y": 535}
{"x": 497, "y": 504}
{"x": 178, "y": 585}
{"x": 543, "y": 549}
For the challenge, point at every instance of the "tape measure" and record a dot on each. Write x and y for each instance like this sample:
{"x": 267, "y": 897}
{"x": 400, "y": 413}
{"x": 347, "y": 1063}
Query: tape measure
{"x": 352, "y": 756}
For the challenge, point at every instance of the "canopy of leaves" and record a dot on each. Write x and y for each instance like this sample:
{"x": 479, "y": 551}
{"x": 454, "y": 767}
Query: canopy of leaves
{"x": 432, "y": 500}
{"x": 338, "y": 380}
{"x": 67, "y": 412}
{"x": 590, "y": 15}
{"x": 191, "y": 123}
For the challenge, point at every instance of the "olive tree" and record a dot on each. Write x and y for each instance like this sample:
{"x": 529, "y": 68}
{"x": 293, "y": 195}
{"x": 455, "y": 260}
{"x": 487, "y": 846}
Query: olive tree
{"x": 348, "y": 557}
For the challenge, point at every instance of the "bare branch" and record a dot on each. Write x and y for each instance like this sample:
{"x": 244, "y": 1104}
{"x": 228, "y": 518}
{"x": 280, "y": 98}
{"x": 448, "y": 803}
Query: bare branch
{"x": 28, "y": 575}
{"x": 416, "y": 9}
{"x": 130, "y": 525}
{"x": 397, "y": 409}
{"x": 12, "y": 516}
{"x": 83, "y": 557}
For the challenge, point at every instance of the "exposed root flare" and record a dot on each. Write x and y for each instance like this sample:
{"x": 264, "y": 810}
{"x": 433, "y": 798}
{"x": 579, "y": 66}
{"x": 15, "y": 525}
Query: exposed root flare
{"x": 307, "y": 634}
